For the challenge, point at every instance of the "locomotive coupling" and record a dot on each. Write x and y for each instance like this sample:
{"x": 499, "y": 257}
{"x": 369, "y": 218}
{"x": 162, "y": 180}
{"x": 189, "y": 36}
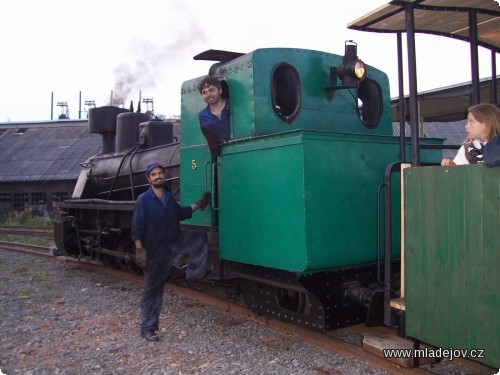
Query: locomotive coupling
{"x": 371, "y": 297}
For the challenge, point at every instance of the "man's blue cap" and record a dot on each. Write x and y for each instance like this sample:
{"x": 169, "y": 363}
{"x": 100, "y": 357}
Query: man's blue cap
{"x": 151, "y": 167}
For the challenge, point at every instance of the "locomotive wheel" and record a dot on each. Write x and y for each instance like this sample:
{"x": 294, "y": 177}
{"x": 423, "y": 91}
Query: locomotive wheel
{"x": 291, "y": 300}
{"x": 294, "y": 306}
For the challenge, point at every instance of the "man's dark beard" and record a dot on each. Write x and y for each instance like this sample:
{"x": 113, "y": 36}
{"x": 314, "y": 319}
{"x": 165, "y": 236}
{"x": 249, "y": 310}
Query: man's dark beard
{"x": 157, "y": 184}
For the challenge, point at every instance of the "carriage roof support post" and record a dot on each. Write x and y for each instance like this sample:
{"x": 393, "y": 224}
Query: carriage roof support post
{"x": 79, "y": 104}
{"x": 401, "y": 104}
{"x": 474, "y": 60}
{"x": 412, "y": 74}
{"x": 52, "y": 105}
{"x": 493, "y": 77}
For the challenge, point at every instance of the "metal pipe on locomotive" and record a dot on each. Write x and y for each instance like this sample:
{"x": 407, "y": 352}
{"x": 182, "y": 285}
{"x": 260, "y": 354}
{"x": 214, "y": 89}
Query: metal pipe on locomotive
{"x": 294, "y": 221}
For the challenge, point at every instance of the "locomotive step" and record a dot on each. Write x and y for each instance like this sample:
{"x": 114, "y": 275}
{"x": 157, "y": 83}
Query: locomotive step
{"x": 398, "y": 304}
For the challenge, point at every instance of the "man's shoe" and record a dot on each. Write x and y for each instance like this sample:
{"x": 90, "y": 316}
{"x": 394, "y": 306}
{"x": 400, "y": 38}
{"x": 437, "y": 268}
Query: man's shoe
{"x": 150, "y": 335}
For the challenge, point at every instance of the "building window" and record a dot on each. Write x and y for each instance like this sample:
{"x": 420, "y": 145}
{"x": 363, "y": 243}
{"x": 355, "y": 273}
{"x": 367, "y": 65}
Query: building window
{"x": 5, "y": 202}
{"x": 21, "y": 201}
{"x": 38, "y": 198}
{"x": 5, "y": 197}
{"x": 58, "y": 197}
{"x": 39, "y": 204}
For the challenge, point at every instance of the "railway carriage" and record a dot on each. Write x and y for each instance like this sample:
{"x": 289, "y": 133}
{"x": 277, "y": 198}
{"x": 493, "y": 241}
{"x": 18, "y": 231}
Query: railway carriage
{"x": 452, "y": 257}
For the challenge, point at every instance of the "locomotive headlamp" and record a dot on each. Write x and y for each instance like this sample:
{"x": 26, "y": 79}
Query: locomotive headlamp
{"x": 359, "y": 69}
{"x": 351, "y": 71}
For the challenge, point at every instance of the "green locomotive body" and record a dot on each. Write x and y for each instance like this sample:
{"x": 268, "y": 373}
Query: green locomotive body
{"x": 296, "y": 186}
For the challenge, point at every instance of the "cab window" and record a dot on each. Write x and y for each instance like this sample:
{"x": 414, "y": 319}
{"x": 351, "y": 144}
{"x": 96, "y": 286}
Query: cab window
{"x": 285, "y": 91}
{"x": 370, "y": 103}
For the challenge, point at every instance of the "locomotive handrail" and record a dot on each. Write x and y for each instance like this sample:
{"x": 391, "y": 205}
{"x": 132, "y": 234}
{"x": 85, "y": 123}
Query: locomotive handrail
{"x": 207, "y": 163}
{"x": 138, "y": 186}
{"x": 130, "y": 174}
{"x": 118, "y": 171}
{"x": 389, "y": 318}
{"x": 379, "y": 190}
{"x": 212, "y": 177}
{"x": 440, "y": 147}
{"x": 214, "y": 167}
{"x": 102, "y": 201}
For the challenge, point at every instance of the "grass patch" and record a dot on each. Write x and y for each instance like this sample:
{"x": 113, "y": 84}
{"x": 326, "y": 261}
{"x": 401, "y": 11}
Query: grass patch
{"x": 22, "y": 268}
{"x": 39, "y": 277}
{"x": 27, "y": 218}
{"x": 45, "y": 296}
{"x": 26, "y": 293}
{"x": 29, "y": 270}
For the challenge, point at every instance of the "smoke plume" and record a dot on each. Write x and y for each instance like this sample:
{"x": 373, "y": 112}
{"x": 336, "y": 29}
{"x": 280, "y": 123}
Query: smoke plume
{"x": 150, "y": 60}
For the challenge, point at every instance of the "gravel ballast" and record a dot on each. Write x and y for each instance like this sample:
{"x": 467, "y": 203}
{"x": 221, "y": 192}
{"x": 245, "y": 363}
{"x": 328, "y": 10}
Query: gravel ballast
{"x": 60, "y": 319}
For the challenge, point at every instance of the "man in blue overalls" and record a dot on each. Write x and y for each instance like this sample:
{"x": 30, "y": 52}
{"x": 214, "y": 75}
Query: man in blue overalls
{"x": 214, "y": 118}
{"x": 156, "y": 235}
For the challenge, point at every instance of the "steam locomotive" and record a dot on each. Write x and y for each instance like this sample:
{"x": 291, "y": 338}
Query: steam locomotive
{"x": 295, "y": 217}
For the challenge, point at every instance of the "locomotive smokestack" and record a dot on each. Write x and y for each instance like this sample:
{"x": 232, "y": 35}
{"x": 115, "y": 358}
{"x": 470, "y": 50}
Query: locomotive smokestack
{"x": 102, "y": 120}
{"x": 127, "y": 129}
{"x": 131, "y": 106}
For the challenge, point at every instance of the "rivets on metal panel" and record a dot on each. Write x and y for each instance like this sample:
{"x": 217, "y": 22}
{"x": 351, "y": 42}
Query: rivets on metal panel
{"x": 193, "y": 164}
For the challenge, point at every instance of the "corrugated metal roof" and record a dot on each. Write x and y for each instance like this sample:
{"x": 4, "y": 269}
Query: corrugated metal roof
{"x": 452, "y": 132}
{"x": 177, "y": 131}
{"x": 50, "y": 151}
{"x": 447, "y": 103}
{"x": 45, "y": 153}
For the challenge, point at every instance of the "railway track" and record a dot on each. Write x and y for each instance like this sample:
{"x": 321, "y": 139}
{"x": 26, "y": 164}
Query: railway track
{"x": 334, "y": 342}
{"x": 26, "y": 231}
{"x": 26, "y": 248}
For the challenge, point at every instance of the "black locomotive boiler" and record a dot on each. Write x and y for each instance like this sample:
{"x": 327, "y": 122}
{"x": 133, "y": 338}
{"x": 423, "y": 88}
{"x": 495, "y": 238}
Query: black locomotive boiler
{"x": 97, "y": 218}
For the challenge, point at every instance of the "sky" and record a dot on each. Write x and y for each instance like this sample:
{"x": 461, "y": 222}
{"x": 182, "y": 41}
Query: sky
{"x": 68, "y": 49}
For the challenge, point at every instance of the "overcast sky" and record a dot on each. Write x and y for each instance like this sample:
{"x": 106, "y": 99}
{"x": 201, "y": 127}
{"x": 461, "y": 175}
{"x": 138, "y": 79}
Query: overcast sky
{"x": 96, "y": 46}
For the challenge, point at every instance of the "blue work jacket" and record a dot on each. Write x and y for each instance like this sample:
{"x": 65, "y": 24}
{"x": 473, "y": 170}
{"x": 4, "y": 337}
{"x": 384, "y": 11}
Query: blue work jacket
{"x": 156, "y": 222}
{"x": 219, "y": 127}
